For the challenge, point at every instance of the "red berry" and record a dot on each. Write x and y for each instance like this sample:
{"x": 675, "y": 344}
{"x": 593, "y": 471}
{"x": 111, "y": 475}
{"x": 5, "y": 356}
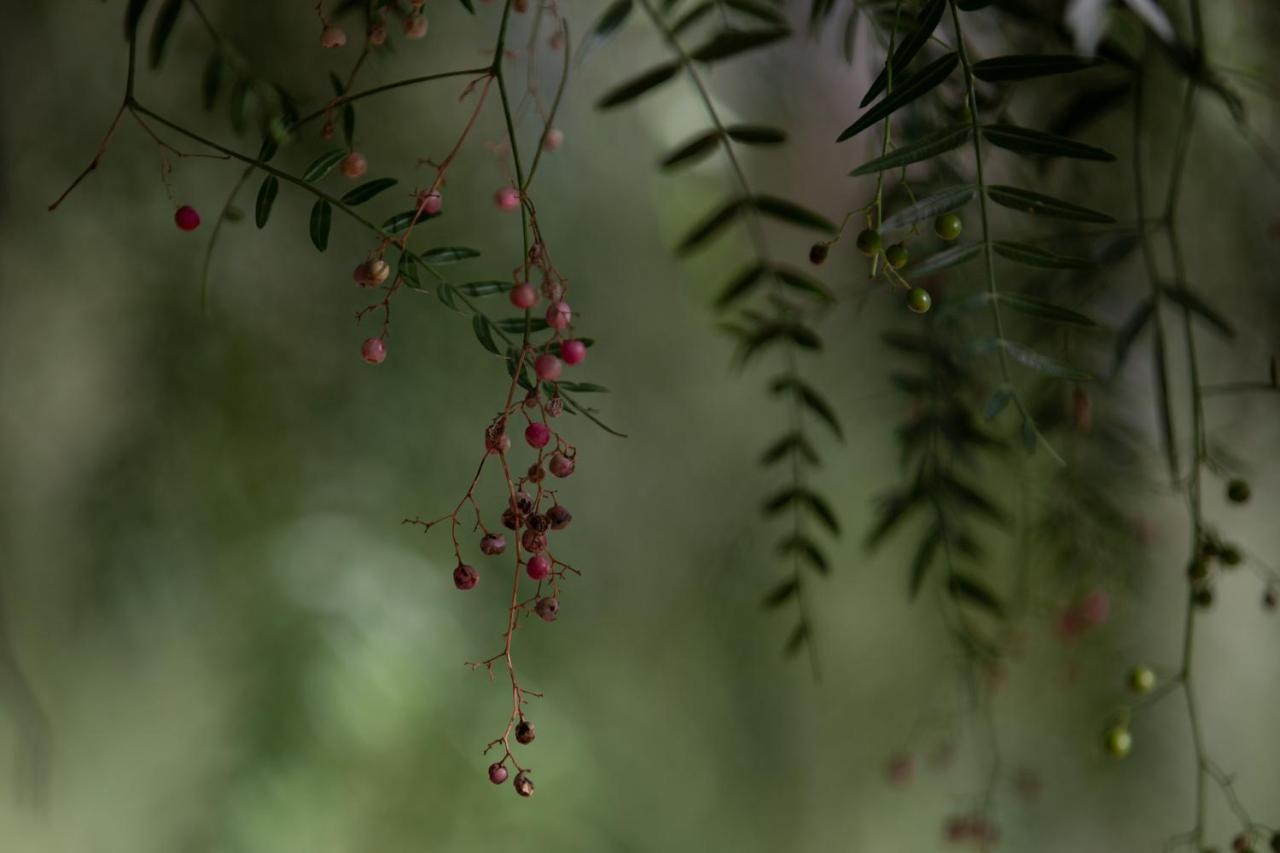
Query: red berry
{"x": 491, "y": 544}
{"x": 548, "y": 367}
{"x": 554, "y": 139}
{"x": 465, "y": 577}
{"x": 354, "y": 165}
{"x": 432, "y": 202}
{"x": 524, "y": 295}
{"x": 560, "y": 465}
{"x": 573, "y": 352}
{"x": 538, "y": 567}
{"x": 559, "y": 517}
{"x": 187, "y": 218}
{"x": 537, "y": 435}
{"x": 507, "y": 198}
{"x": 547, "y": 609}
{"x": 497, "y": 773}
{"x": 374, "y": 350}
{"x": 559, "y": 315}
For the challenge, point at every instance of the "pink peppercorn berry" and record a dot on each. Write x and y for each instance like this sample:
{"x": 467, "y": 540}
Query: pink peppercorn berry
{"x": 525, "y": 732}
{"x": 554, "y": 139}
{"x": 523, "y": 784}
{"x": 372, "y": 273}
{"x": 560, "y": 465}
{"x": 186, "y": 218}
{"x": 377, "y": 35}
{"x": 559, "y": 315}
{"x": 354, "y": 165}
{"x": 497, "y": 773}
{"x": 548, "y": 367}
{"x": 507, "y": 199}
{"x": 432, "y": 203}
{"x": 537, "y": 435}
{"x": 374, "y": 350}
{"x": 333, "y": 37}
{"x": 538, "y": 567}
{"x": 573, "y": 352}
{"x": 524, "y": 295}
{"x": 465, "y": 577}
{"x": 491, "y": 544}
{"x": 548, "y": 609}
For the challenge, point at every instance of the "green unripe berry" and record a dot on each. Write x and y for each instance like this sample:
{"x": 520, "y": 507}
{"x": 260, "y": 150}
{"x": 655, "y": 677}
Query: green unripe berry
{"x": 947, "y": 226}
{"x": 896, "y": 255}
{"x": 1118, "y": 741}
{"x": 919, "y": 300}
{"x": 870, "y": 243}
{"x": 1238, "y": 491}
{"x": 1142, "y": 679}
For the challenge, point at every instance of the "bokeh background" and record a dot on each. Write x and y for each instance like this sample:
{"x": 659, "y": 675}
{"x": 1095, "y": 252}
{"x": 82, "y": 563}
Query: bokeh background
{"x": 232, "y": 644}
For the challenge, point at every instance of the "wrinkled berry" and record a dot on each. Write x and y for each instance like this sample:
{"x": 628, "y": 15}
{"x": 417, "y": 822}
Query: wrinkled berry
{"x": 523, "y": 785}
{"x": 497, "y": 773}
{"x": 525, "y": 732}
{"x": 491, "y": 544}
{"x": 538, "y": 522}
{"x": 534, "y": 541}
{"x": 559, "y": 517}
{"x": 522, "y": 503}
{"x": 547, "y": 609}
{"x": 511, "y": 519}
{"x": 560, "y": 465}
{"x": 559, "y": 315}
{"x": 465, "y": 577}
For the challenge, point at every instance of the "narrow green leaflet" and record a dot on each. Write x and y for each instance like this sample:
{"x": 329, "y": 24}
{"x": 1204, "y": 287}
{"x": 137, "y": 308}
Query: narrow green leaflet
{"x": 166, "y": 18}
{"x": 517, "y": 324}
{"x": 484, "y": 288}
{"x": 1131, "y": 328}
{"x": 447, "y": 255}
{"x": 973, "y": 592}
{"x": 1044, "y": 310}
{"x": 266, "y": 198}
{"x": 367, "y": 191}
{"x": 803, "y": 283}
{"x": 911, "y": 88}
{"x": 582, "y": 387}
{"x": 945, "y": 259}
{"x": 323, "y": 165}
{"x": 407, "y": 269}
{"x": 792, "y": 442}
{"x": 638, "y": 86}
{"x": 402, "y": 220}
{"x": 1037, "y": 143}
{"x": 1038, "y": 204}
{"x": 692, "y": 151}
{"x": 1025, "y": 67}
{"x": 803, "y": 548}
{"x": 759, "y": 11}
{"x": 1034, "y": 256}
{"x": 215, "y": 72}
{"x": 609, "y": 22}
{"x": 947, "y": 201}
{"x": 710, "y": 226}
{"x": 793, "y": 213}
{"x": 741, "y": 284}
{"x": 814, "y": 503}
{"x": 907, "y": 48}
{"x": 480, "y": 326}
{"x": 1042, "y": 363}
{"x": 132, "y": 14}
{"x": 924, "y": 558}
{"x": 321, "y": 217}
{"x": 781, "y": 593}
{"x": 1196, "y": 305}
{"x": 755, "y": 134}
{"x": 927, "y": 146}
{"x": 688, "y": 19}
{"x": 729, "y": 43}
{"x": 469, "y": 6}
{"x": 811, "y": 398}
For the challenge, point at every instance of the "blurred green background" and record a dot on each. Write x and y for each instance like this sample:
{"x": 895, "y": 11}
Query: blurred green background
{"x": 236, "y": 646}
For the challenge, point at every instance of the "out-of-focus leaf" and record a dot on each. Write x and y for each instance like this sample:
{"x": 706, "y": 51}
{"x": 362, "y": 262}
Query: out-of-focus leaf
{"x": 755, "y": 134}
{"x": 791, "y": 443}
{"x": 215, "y": 71}
{"x": 811, "y": 398}
{"x": 1130, "y": 329}
{"x": 971, "y": 591}
{"x": 614, "y": 16}
{"x": 729, "y": 43}
{"x": 638, "y": 86}
{"x": 809, "y": 500}
{"x": 996, "y": 403}
{"x": 1199, "y": 307}
{"x": 944, "y": 260}
{"x": 1042, "y": 363}
{"x": 1024, "y": 67}
{"x": 924, "y": 557}
{"x": 793, "y": 213}
{"x": 781, "y": 593}
{"x": 709, "y": 227}
{"x": 1044, "y": 310}
{"x": 162, "y": 29}
{"x": 804, "y": 548}
{"x": 742, "y": 284}
{"x": 692, "y": 151}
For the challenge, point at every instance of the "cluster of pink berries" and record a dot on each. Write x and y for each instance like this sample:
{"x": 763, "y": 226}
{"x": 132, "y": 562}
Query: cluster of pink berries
{"x": 414, "y": 24}
{"x": 1089, "y": 611}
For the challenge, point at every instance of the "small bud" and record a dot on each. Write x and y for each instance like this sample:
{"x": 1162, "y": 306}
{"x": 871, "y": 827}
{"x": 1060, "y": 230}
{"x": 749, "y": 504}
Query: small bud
{"x": 548, "y": 367}
{"x": 1238, "y": 491}
{"x": 537, "y": 435}
{"x": 559, "y": 517}
{"x": 547, "y": 609}
{"x": 354, "y": 165}
{"x": 523, "y": 785}
{"x": 538, "y": 567}
{"x": 524, "y": 295}
{"x": 415, "y": 26}
{"x": 333, "y": 36}
{"x": 573, "y": 352}
{"x": 525, "y": 732}
{"x": 186, "y": 218}
{"x": 491, "y": 544}
{"x": 465, "y": 577}
{"x": 818, "y": 253}
{"x": 507, "y": 199}
{"x": 374, "y": 350}
{"x": 559, "y": 315}
{"x": 561, "y": 466}
{"x": 554, "y": 139}
{"x": 497, "y": 773}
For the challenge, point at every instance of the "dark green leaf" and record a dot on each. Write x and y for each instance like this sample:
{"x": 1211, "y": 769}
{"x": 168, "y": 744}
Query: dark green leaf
{"x": 893, "y": 509}
{"x": 239, "y": 105}
{"x": 946, "y": 201}
{"x": 1038, "y": 204}
{"x": 215, "y": 71}
{"x": 924, "y": 557}
{"x": 367, "y": 191}
{"x": 692, "y": 151}
{"x": 637, "y": 86}
{"x": 582, "y": 387}
{"x": 971, "y": 591}
{"x": 1088, "y": 106}
{"x": 951, "y": 257}
{"x": 166, "y": 19}
{"x": 754, "y": 134}
{"x": 804, "y": 548}
{"x": 759, "y": 11}
{"x": 323, "y": 165}
{"x": 710, "y": 226}
{"x": 741, "y": 284}
{"x": 407, "y": 269}
{"x": 912, "y": 87}
{"x": 402, "y": 220}
{"x": 469, "y": 6}
{"x": 793, "y": 442}
{"x": 132, "y": 14}
{"x": 793, "y": 213}
{"x": 448, "y": 296}
{"x": 1044, "y": 310}
{"x": 321, "y": 217}
{"x": 807, "y": 499}
{"x": 781, "y": 593}
{"x": 613, "y": 18}
{"x": 1024, "y": 67}
{"x": 1042, "y": 363}
{"x": 809, "y": 396}
{"x": 448, "y": 255}
{"x": 484, "y": 288}
{"x": 266, "y": 198}
{"x": 517, "y": 324}
{"x": 906, "y": 50}
{"x": 1034, "y": 256}
{"x": 688, "y": 19}
{"x": 927, "y": 146}
{"x": 1198, "y": 306}
{"x": 971, "y": 498}
{"x": 802, "y": 282}
{"x": 729, "y": 43}
{"x": 480, "y": 326}
{"x": 796, "y": 641}
{"x": 1037, "y": 143}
